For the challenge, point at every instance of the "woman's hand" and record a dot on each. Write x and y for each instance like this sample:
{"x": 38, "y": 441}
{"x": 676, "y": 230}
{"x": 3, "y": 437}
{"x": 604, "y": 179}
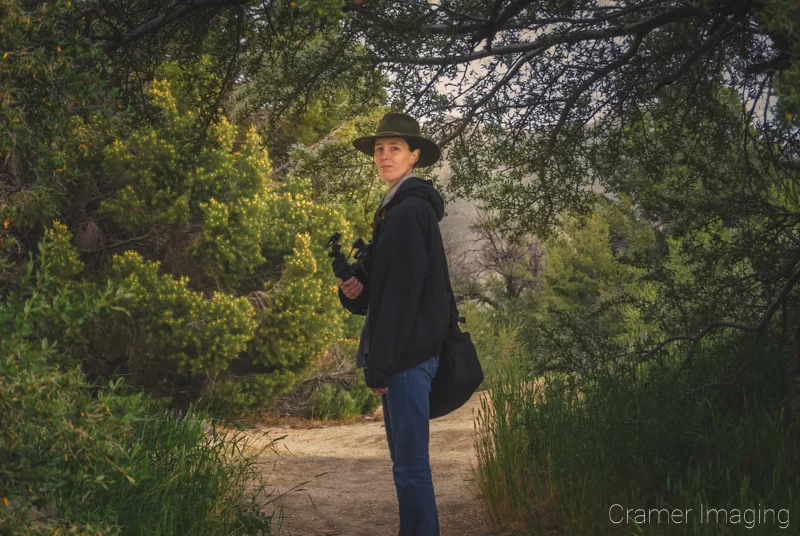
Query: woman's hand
{"x": 381, "y": 391}
{"x": 351, "y": 288}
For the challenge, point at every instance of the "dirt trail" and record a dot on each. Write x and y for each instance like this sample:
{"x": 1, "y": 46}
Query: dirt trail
{"x": 351, "y": 492}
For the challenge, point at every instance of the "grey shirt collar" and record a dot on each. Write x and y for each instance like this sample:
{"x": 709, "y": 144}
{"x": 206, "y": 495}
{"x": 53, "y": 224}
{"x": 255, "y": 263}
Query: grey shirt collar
{"x": 393, "y": 189}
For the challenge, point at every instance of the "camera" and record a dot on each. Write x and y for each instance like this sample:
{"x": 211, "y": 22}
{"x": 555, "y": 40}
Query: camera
{"x": 343, "y": 269}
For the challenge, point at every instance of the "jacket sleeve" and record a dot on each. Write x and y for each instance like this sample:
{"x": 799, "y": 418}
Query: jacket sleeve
{"x": 402, "y": 266}
{"x": 357, "y": 306}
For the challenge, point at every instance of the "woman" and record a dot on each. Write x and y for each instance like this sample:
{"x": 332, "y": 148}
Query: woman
{"x": 407, "y": 308}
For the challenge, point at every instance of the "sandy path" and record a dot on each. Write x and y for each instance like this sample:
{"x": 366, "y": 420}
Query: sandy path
{"x": 350, "y": 490}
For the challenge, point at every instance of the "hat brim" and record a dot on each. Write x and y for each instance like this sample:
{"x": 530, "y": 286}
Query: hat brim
{"x": 429, "y": 151}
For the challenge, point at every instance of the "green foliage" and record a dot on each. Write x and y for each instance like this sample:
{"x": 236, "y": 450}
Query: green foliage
{"x": 497, "y": 340}
{"x": 581, "y": 267}
{"x": 335, "y": 169}
{"x": 332, "y": 401}
{"x": 592, "y": 291}
{"x": 304, "y": 84}
{"x": 243, "y": 301}
{"x": 331, "y": 9}
{"x": 190, "y": 479}
{"x": 728, "y": 250}
{"x": 161, "y": 178}
{"x": 60, "y": 257}
{"x": 197, "y": 336}
{"x": 51, "y": 108}
{"x": 233, "y": 295}
{"x": 90, "y": 452}
{"x": 46, "y": 302}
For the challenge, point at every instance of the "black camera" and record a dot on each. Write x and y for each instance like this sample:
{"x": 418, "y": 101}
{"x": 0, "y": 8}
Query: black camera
{"x": 343, "y": 269}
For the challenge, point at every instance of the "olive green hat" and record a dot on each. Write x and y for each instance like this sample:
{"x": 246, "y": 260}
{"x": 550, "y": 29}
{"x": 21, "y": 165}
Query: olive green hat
{"x": 397, "y": 125}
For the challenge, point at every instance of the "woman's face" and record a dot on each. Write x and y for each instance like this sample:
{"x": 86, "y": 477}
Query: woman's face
{"x": 393, "y": 158}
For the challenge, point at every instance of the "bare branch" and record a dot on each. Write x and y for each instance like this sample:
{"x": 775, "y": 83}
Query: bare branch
{"x": 759, "y": 328}
{"x": 491, "y": 93}
{"x": 118, "y": 243}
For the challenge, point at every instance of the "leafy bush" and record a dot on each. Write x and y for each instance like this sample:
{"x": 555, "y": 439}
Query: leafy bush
{"x": 197, "y": 335}
{"x": 244, "y": 302}
{"x": 333, "y": 401}
{"x": 95, "y": 454}
{"x": 55, "y": 103}
{"x": 233, "y": 295}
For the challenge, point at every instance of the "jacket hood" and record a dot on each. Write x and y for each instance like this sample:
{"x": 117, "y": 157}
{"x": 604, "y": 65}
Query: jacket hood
{"x": 416, "y": 187}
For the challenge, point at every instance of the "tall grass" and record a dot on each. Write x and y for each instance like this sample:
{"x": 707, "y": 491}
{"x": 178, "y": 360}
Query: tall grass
{"x": 554, "y": 456}
{"x": 497, "y": 342}
{"x": 184, "y": 478}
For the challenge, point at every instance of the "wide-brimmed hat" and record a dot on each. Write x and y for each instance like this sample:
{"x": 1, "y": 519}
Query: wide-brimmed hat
{"x": 398, "y": 125}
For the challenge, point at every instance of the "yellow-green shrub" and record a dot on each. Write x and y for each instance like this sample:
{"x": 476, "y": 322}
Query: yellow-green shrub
{"x": 244, "y": 299}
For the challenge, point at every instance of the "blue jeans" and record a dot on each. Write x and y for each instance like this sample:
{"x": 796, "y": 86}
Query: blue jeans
{"x": 406, "y": 415}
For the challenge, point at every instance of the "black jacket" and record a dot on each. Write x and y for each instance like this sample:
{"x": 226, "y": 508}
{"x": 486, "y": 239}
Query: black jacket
{"x": 406, "y": 292}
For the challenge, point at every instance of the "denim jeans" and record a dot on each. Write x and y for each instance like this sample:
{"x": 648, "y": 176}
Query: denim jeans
{"x": 406, "y": 416}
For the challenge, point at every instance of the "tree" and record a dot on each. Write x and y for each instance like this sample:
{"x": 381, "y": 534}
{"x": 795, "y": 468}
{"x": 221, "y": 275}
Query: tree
{"x": 543, "y": 100}
{"x": 547, "y": 80}
{"x": 518, "y": 263}
{"x": 732, "y": 232}
{"x": 233, "y": 297}
{"x": 281, "y": 59}
{"x": 587, "y": 307}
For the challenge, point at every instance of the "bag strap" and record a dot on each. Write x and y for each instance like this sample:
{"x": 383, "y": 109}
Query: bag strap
{"x": 448, "y": 284}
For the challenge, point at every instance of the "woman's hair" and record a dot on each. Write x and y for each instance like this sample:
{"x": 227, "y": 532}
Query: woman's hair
{"x": 413, "y": 144}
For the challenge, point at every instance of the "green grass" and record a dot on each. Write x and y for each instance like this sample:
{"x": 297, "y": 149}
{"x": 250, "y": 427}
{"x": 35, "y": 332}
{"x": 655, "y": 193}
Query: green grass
{"x": 498, "y": 343}
{"x": 554, "y": 456}
{"x": 185, "y": 478}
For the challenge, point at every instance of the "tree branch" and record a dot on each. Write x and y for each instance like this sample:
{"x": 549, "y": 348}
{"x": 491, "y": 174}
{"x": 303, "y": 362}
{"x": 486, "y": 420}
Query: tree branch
{"x": 471, "y": 295}
{"x": 759, "y": 328}
{"x": 176, "y": 12}
{"x": 552, "y": 39}
{"x": 491, "y": 93}
{"x": 509, "y": 13}
{"x": 575, "y": 95}
{"x": 710, "y": 43}
{"x": 117, "y": 244}
{"x": 779, "y": 63}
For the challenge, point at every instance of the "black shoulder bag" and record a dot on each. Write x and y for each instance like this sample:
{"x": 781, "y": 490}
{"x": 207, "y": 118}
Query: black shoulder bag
{"x": 460, "y": 372}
